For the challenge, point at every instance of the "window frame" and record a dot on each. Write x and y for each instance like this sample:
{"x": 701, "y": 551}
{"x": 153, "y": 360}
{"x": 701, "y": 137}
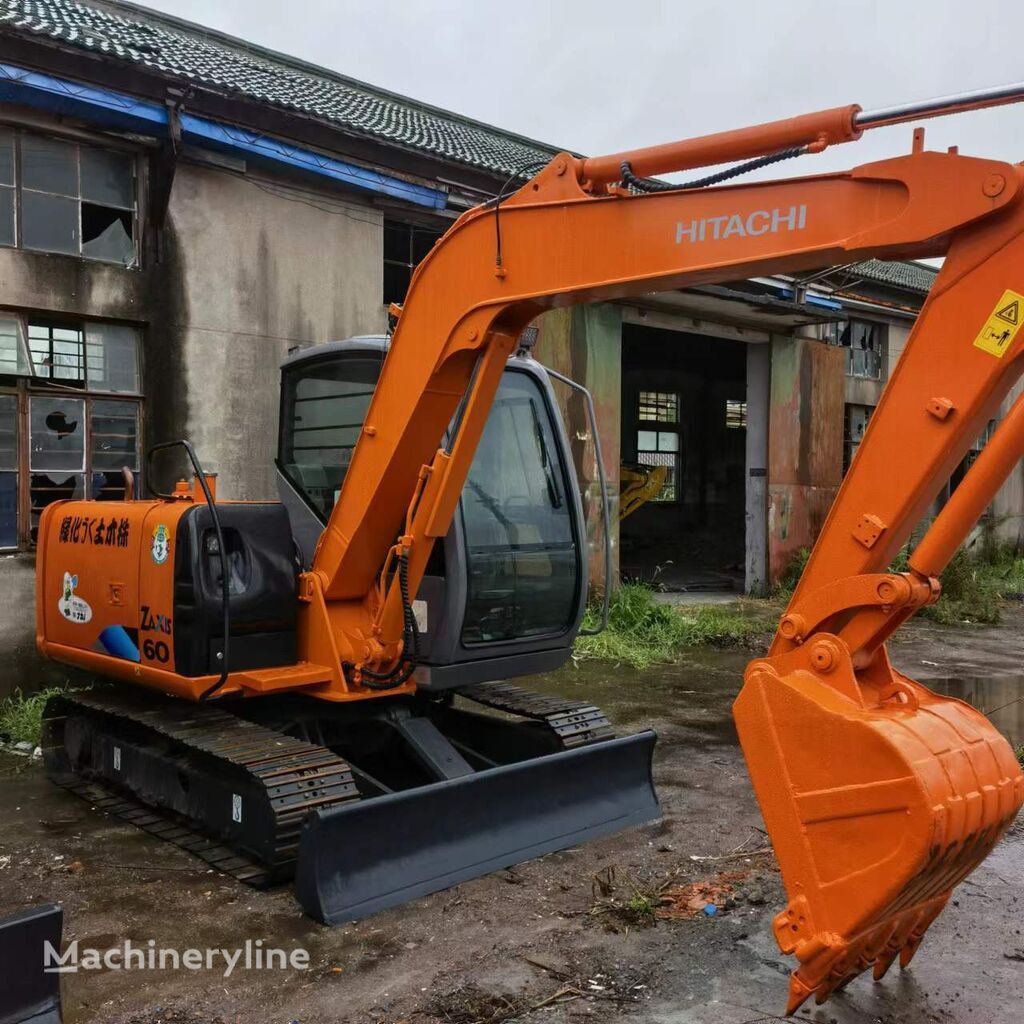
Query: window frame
{"x": 29, "y": 387}
{"x": 880, "y": 331}
{"x": 411, "y": 262}
{"x": 661, "y": 426}
{"x": 17, "y": 133}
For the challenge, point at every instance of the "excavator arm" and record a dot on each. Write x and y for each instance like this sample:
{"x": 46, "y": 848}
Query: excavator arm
{"x": 879, "y": 795}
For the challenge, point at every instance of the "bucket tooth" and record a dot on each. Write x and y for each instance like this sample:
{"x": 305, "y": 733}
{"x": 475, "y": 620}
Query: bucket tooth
{"x": 883, "y": 963}
{"x": 799, "y": 993}
{"x": 908, "y": 952}
{"x": 876, "y": 809}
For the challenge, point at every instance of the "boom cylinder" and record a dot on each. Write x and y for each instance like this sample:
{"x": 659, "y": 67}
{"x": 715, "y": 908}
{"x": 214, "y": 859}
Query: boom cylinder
{"x": 966, "y": 504}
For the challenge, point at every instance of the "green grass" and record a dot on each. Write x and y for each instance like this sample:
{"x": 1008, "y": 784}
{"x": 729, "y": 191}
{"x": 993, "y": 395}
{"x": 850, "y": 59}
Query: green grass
{"x": 641, "y": 631}
{"x": 21, "y": 717}
{"x": 974, "y": 586}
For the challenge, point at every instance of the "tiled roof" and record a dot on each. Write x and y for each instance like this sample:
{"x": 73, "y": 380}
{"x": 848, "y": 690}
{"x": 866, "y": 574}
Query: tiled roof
{"x": 906, "y": 274}
{"x": 194, "y": 55}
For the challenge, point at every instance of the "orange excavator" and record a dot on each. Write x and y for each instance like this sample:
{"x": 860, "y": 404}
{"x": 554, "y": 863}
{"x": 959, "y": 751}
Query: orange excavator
{"x": 297, "y": 688}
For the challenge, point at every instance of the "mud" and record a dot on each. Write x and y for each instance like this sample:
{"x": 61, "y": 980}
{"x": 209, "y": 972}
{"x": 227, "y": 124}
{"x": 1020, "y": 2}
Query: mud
{"x": 563, "y": 939}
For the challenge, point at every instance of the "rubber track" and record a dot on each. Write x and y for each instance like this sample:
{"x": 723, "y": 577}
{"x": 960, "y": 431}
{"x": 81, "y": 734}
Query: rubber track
{"x": 168, "y": 827}
{"x": 279, "y": 763}
{"x": 574, "y": 722}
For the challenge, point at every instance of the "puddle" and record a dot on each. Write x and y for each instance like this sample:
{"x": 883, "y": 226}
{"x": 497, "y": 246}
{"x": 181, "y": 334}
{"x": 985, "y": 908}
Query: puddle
{"x": 1001, "y": 698}
{"x": 695, "y": 693}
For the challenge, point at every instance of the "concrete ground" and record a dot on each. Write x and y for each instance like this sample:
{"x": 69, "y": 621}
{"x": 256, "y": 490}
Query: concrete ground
{"x": 551, "y": 940}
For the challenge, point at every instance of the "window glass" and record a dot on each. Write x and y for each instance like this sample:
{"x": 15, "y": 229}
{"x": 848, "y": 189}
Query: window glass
{"x": 107, "y": 234}
{"x": 49, "y": 223}
{"x": 8, "y": 471}
{"x": 12, "y": 349}
{"x": 7, "y": 236}
{"x": 107, "y": 178}
{"x": 396, "y": 242}
{"x": 404, "y": 247}
{"x": 735, "y": 413}
{"x": 58, "y": 353}
{"x": 49, "y": 165}
{"x": 57, "y": 435}
{"x": 8, "y": 432}
{"x": 516, "y": 511}
{"x": 658, "y": 407}
{"x": 325, "y": 403}
{"x": 114, "y": 435}
{"x": 112, "y": 357}
{"x": 6, "y": 157}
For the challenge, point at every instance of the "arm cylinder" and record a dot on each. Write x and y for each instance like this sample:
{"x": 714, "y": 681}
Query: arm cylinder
{"x": 825, "y": 128}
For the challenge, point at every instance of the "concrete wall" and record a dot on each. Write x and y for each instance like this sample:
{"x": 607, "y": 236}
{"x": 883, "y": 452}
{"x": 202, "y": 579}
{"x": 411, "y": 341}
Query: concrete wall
{"x": 585, "y": 344}
{"x": 261, "y": 273}
{"x": 805, "y": 443}
{"x": 240, "y": 276}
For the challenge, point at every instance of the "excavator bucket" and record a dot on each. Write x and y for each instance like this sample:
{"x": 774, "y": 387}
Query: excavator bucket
{"x": 878, "y": 800}
{"x": 357, "y": 859}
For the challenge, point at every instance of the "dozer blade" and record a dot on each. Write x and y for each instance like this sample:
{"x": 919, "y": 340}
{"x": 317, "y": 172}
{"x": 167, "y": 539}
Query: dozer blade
{"x": 29, "y": 990}
{"x": 383, "y": 851}
{"x": 878, "y": 802}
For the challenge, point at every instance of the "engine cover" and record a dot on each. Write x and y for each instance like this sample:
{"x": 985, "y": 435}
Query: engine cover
{"x": 123, "y": 586}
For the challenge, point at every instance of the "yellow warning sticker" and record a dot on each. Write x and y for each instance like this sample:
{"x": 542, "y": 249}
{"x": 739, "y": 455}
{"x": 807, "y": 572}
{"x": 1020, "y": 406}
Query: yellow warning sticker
{"x": 1002, "y": 326}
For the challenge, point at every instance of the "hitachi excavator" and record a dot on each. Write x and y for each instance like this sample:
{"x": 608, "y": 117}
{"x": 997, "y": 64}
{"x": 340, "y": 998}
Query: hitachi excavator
{"x": 323, "y": 682}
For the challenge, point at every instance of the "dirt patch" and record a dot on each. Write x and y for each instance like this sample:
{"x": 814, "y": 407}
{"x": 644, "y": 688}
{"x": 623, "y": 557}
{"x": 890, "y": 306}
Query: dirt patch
{"x": 544, "y": 942}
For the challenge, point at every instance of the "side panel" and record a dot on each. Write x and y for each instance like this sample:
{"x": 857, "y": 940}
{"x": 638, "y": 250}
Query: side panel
{"x": 90, "y": 593}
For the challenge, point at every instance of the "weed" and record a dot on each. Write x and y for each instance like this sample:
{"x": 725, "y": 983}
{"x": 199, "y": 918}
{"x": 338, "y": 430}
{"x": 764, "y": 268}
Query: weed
{"x": 21, "y": 716}
{"x": 642, "y": 631}
{"x": 1020, "y": 755}
{"x": 973, "y": 584}
{"x": 794, "y": 569}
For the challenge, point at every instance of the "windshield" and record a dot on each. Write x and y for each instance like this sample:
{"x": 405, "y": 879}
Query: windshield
{"x": 324, "y": 405}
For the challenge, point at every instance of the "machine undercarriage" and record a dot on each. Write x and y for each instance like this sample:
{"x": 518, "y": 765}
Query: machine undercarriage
{"x": 234, "y": 783}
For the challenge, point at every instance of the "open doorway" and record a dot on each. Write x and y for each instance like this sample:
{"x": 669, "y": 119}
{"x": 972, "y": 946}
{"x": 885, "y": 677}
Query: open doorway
{"x": 684, "y": 416}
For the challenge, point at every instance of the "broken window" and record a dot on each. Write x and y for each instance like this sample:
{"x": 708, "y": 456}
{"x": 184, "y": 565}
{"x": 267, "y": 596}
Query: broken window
{"x": 78, "y": 443}
{"x": 56, "y": 459}
{"x": 865, "y": 348}
{"x": 58, "y": 353}
{"x": 855, "y": 423}
{"x": 405, "y": 245}
{"x": 99, "y": 356}
{"x": 8, "y": 471}
{"x": 74, "y": 199}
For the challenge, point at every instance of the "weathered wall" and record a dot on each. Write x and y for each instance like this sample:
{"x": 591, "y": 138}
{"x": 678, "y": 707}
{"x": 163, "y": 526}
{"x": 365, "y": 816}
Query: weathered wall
{"x": 585, "y": 344}
{"x": 262, "y": 273}
{"x": 805, "y": 443}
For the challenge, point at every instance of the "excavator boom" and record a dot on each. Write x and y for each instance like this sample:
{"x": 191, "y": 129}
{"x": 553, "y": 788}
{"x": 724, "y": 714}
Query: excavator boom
{"x": 879, "y": 795}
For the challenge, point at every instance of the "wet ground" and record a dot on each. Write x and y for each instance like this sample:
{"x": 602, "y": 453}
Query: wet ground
{"x": 549, "y": 940}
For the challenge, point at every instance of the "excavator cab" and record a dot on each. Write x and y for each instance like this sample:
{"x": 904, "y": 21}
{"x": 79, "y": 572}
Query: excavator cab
{"x": 504, "y": 592}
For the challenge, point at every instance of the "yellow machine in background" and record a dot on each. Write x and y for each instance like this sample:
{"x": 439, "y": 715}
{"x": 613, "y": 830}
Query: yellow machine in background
{"x": 638, "y": 484}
